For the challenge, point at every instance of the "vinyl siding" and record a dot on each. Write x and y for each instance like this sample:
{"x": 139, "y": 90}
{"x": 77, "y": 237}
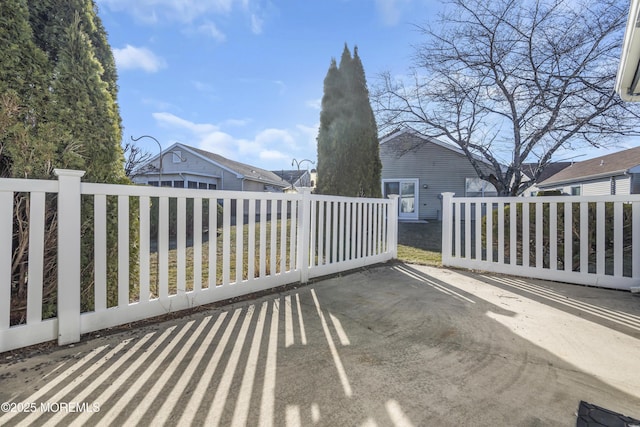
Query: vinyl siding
{"x": 439, "y": 168}
{"x": 192, "y": 163}
{"x": 623, "y": 185}
{"x": 598, "y": 187}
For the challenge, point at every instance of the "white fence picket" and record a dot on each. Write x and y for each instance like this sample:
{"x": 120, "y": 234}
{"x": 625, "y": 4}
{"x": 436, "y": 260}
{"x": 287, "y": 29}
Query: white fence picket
{"x": 548, "y": 252}
{"x": 251, "y": 249}
{"x": 318, "y": 235}
{"x": 143, "y": 257}
{"x": 181, "y": 245}
{"x": 197, "y": 244}
{"x": 100, "y": 249}
{"x": 6, "y": 236}
{"x": 123, "y": 250}
{"x": 36, "y": 257}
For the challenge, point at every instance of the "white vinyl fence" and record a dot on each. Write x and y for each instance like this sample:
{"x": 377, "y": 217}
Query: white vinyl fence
{"x": 93, "y": 256}
{"x": 590, "y": 240}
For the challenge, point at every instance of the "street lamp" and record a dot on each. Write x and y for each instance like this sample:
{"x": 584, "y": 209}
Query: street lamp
{"x": 160, "y": 147}
{"x": 298, "y": 163}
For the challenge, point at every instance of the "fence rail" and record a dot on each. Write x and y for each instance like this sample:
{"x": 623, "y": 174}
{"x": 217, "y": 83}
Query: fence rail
{"x": 124, "y": 253}
{"x": 589, "y": 240}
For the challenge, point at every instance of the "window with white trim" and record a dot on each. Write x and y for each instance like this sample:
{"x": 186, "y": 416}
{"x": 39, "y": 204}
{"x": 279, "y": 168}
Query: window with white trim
{"x": 476, "y": 187}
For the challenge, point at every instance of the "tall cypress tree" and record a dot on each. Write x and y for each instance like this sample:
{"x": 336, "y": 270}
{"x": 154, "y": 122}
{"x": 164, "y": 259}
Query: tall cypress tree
{"x": 23, "y": 83}
{"x": 348, "y": 154}
{"x": 82, "y": 103}
{"x": 58, "y": 109}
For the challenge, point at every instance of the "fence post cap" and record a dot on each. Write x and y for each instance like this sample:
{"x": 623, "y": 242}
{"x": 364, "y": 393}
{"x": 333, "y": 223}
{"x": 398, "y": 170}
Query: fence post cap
{"x": 69, "y": 172}
{"x": 393, "y": 196}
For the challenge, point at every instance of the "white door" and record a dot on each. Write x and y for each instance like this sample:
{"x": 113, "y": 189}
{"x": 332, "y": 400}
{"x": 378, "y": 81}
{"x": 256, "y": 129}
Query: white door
{"x": 407, "y": 190}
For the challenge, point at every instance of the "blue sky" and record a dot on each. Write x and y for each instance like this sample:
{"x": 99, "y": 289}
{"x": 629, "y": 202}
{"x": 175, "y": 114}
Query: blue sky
{"x": 243, "y": 78}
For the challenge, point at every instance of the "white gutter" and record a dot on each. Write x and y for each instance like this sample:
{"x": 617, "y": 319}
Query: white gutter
{"x": 628, "y": 77}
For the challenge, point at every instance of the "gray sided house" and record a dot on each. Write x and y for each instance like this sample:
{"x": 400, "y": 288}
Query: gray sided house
{"x": 616, "y": 173}
{"x": 529, "y": 169}
{"x": 183, "y": 166}
{"x": 420, "y": 169}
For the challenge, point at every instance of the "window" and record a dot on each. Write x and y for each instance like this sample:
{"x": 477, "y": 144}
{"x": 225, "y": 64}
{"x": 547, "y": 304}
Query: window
{"x": 178, "y": 184}
{"x": 476, "y": 187}
{"x": 201, "y": 185}
{"x": 407, "y": 191}
{"x": 176, "y": 156}
{"x": 575, "y": 191}
{"x": 391, "y": 188}
{"x": 153, "y": 183}
{"x": 166, "y": 183}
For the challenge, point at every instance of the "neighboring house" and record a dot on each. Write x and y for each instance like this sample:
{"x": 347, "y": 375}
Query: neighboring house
{"x": 295, "y": 179}
{"x": 616, "y": 173}
{"x": 529, "y": 169}
{"x": 189, "y": 167}
{"x": 420, "y": 169}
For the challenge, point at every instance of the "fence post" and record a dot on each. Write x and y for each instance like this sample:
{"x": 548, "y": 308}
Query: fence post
{"x": 304, "y": 235}
{"x": 393, "y": 226}
{"x": 68, "y": 255}
{"x": 447, "y": 227}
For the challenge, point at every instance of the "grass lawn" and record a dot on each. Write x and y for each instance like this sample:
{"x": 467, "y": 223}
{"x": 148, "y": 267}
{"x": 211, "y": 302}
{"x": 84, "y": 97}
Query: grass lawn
{"x": 420, "y": 243}
{"x": 189, "y": 258}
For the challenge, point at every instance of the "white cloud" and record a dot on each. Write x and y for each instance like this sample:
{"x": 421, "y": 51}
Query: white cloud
{"x": 169, "y": 120}
{"x": 256, "y": 24}
{"x": 275, "y": 136}
{"x": 236, "y": 122}
{"x": 190, "y": 13}
{"x": 210, "y": 29}
{"x": 202, "y": 86}
{"x": 316, "y": 104}
{"x": 171, "y": 10}
{"x": 273, "y": 155}
{"x": 131, "y": 58}
{"x": 268, "y": 148}
{"x": 157, "y": 103}
{"x": 390, "y": 11}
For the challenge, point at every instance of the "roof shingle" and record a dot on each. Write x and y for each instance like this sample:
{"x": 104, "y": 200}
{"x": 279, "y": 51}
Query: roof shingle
{"x": 608, "y": 165}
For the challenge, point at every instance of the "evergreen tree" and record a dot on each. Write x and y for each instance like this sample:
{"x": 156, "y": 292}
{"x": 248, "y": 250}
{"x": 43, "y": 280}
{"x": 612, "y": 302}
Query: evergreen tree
{"x": 82, "y": 103}
{"x": 23, "y": 80}
{"x": 348, "y": 153}
{"x": 58, "y": 88}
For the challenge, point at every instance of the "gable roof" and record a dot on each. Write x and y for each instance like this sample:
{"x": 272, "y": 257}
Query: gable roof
{"x": 412, "y": 132}
{"x": 612, "y": 164}
{"x": 242, "y": 170}
{"x": 290, "y": 176}
{"x": 529, "y": 169}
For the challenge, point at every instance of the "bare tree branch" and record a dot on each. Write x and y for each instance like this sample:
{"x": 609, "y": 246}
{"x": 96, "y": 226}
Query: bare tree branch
{"x": 135, "y": 158}
{"x": 513, "y": 81}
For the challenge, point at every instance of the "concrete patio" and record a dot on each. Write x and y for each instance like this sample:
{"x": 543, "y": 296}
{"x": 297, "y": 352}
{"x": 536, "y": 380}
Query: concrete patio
{"x": 394, "y": 345}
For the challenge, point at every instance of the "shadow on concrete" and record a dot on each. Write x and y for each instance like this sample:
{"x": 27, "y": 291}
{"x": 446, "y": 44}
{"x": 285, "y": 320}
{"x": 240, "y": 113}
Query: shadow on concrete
{"x": 393, "y": 345}
{"x": 616, "y": 310}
